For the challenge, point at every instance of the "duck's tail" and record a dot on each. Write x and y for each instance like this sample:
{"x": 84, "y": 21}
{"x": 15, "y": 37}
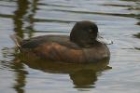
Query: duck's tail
{"x": 17, "y": 40}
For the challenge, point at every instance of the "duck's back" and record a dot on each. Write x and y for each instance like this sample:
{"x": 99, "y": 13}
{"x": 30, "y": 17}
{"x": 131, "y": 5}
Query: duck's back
{"x": 40, "y": 40}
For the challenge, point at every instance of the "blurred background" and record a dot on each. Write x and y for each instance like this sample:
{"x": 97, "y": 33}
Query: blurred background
{"x": 118, "y": 20}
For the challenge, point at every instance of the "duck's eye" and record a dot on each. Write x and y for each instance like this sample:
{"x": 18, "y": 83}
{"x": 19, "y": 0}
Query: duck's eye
{"x": 90, "y": 30}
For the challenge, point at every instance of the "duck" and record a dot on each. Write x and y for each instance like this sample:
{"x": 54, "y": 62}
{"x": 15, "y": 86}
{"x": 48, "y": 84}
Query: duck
{"x": 81, "y": 46}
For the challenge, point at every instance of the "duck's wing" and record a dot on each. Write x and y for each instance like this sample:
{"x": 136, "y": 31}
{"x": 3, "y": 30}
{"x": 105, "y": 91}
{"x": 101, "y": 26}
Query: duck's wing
{"x": 37, "y": 41}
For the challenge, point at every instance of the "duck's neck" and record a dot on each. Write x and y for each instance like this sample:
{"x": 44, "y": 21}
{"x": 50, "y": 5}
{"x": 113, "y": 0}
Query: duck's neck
{"x": 88, "y": 45}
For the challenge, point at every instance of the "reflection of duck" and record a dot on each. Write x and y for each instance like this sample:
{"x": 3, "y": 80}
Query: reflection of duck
{"x": 82, "y": 75}
{"x": 81, "y": 46}
{"x": 84, "y": 78}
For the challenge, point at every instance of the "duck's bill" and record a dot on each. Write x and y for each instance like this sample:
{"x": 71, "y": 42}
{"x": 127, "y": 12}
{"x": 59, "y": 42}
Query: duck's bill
{"x": 104, "y": 41}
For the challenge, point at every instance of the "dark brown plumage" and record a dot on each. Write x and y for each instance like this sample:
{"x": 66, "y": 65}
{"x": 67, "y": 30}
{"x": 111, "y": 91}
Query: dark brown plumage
{"x": 81, "y": 46}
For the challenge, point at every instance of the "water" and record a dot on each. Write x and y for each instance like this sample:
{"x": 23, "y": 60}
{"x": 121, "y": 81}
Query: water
{"x": 118, "y": 20}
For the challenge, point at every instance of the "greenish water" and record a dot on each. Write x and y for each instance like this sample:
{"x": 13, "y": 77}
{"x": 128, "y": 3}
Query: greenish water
{"x": 118, "y": 20}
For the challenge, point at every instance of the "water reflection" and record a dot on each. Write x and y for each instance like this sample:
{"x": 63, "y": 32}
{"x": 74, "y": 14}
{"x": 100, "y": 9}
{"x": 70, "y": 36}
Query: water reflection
{"x": 20, "y": 77}
{"x": 84, "y": 78}
{"x": 83, "y": 75}
{"x": 17, "y": 67}
{"x": 23, "y": 21}
{"x": 137, "y": 7}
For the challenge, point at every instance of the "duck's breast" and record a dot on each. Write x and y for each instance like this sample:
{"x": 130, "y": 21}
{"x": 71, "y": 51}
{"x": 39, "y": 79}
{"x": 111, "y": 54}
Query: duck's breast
{"x": 96, "y": 53}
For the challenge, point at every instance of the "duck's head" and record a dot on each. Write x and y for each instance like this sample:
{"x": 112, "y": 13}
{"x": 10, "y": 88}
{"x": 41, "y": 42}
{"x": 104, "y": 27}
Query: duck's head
{"x": 85, "y": 34}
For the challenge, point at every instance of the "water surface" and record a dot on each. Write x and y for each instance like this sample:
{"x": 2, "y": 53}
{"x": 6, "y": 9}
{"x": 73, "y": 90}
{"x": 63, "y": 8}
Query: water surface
{"x": 118, "y": 20}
